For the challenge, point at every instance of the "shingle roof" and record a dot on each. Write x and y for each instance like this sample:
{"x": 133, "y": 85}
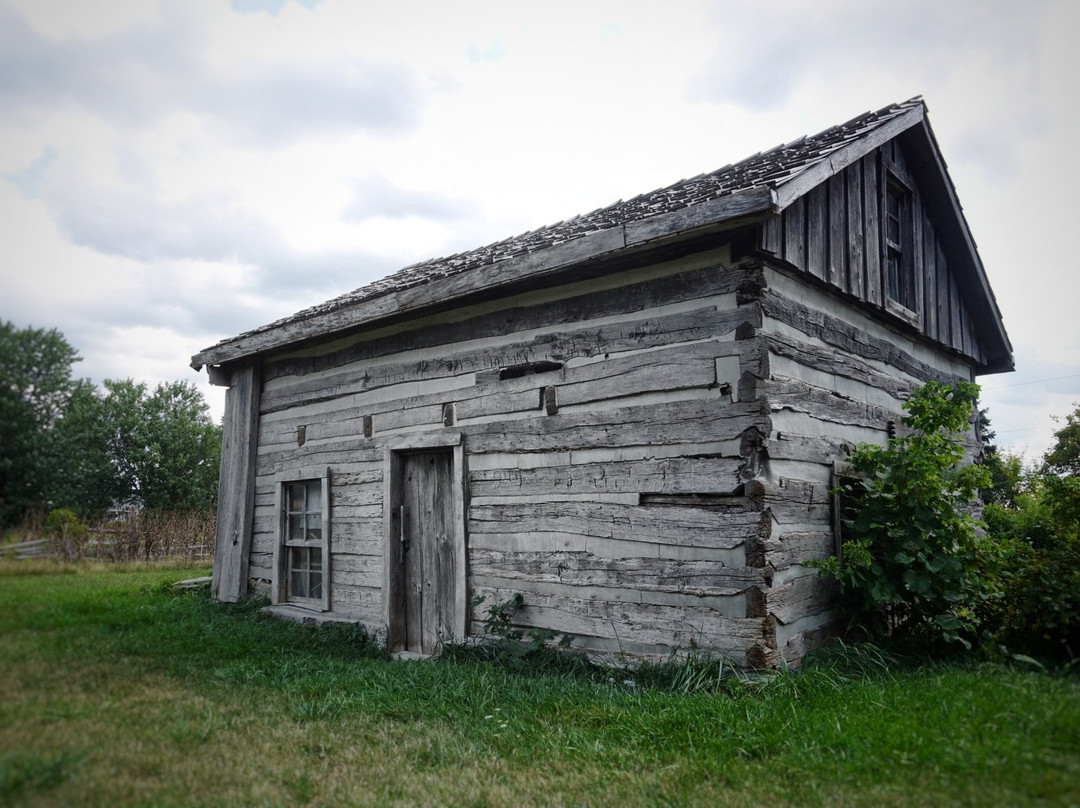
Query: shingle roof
{"x": 771, "y": 169}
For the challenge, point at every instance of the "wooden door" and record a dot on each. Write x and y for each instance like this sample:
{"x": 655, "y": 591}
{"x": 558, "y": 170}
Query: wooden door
{"x": 427, "y": 549}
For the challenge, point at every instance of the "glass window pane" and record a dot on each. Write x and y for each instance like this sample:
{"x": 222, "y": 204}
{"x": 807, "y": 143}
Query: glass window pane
{"x": 297, "y": 589}
{"x": 296, "y": 498}
{"x": 315, "y": 586}
{"x": 315, "y": 558}
{"x": 296, "y": 528}
{"x": 314, "y": 497}
{"x": 314, "y": 526}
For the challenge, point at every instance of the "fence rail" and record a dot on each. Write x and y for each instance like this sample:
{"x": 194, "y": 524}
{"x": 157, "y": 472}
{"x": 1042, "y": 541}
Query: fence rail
{"x": 141, "y": 536}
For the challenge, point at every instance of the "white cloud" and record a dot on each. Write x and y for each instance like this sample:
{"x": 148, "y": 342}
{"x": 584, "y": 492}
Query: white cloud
{"x": 171, "y": 174}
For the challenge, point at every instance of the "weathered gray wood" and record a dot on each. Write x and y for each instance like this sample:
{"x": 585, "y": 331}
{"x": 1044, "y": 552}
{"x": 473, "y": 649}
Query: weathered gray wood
{"x": 350, "y": 570}
{"x": 956, "y": 339}
{"x": 839, "y": 364}
{"x": 930, "y": 285}
{"x": 872, "y": 202}
{"x": 797, "y": 547}
{"x": 746, "y": 204}
{"x": 842, "y": 158}
{"x": 838, "y": 231}
{"x": 664, "y": 525}
{"x": 679, "y": 368}
{"x": 675, "y": 475}
{"x": 795, "y": 233}
{"x": 811, "y": 448}
{"x": 679, "y": 627}
{"x": 855, "y": 233}
{"x": 236, "y": 486}
{"x": 917, "y": 254}
{"x": 711, "y": 280}
{"x": 691, "y": 577}
{"x": 817, "y": 232}
{"x": 943, "y": 317}
{"x": 345, "y": 451}
{"x": 587, "y": 341}
{"x": 801, "y": 596}
{"x": 751, "y": 203}
{"x": 845, "y": 336}
{"x": 691, "y": 421}
{"x": 772, "y": 235}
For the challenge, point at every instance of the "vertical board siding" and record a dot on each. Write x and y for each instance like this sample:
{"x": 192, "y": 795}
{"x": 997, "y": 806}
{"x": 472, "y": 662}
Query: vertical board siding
{"x": 856, "y": 225}
{"x": 837, "y": 218}
{"x": 817, "y": 232}
{"x": 872, "y": 205}
{"x": 836, "y": 233}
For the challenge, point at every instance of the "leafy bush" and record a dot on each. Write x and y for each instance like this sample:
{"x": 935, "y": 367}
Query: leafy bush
{"x": 1034, "y": 553}
{"x": 910, "y": 573}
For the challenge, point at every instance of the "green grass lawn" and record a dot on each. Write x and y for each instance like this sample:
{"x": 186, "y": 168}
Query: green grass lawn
{"x": 115, "y": 690}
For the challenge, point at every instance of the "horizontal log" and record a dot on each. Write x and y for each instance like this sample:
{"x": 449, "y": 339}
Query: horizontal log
{"x": 837, "y": 364}
{"x": 679, "y": 368}
{"x": 848, "y": 338}
{"x": 677, "y": 627}
{"x": 674, "y": 526}
{"x": 693, "y": 421}
{"x": 343, "y": 452}
{"x": 585, "y": 341}
{"x": 801, "y": 596}
{"x": 674, "y": 475}
{"x": 783, "y": 550}
{"x": 823, "y": 404}
{"x": 724, "y": 605}
{"x": 581, "y": 303}
{"x": 690, "y": 577}
{"x": 356, "y": 571}
{"x": 809, "y": 448}
{"x": 523, "y": 541}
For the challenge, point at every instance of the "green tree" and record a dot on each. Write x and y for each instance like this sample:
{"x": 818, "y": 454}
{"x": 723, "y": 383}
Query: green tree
{"x": 35, "y": 383}
{"x": 1033, "y": 519}
{"x": 124, "y": 444}
{"x": 179, "y": 449}
{"x": 82, "y": 476}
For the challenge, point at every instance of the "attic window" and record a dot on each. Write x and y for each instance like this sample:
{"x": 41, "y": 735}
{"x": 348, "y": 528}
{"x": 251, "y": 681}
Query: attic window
{"x": 899, "y": 245}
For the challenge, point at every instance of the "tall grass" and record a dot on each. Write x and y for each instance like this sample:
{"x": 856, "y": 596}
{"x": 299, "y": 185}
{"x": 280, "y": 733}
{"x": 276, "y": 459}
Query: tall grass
{"x": 139, "y": 535}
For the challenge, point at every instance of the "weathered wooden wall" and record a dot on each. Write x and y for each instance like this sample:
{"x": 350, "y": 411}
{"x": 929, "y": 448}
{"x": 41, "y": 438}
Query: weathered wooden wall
{"x": 836, "y": 377}
{"x": 616, "y": 505}
{"x": 835, "y": 233}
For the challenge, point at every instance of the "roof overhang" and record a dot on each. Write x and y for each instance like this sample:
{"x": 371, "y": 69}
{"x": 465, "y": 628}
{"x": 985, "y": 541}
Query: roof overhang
{"x": 733, "y": 210}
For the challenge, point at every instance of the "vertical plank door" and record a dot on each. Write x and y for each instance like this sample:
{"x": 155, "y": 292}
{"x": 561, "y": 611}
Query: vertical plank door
{"x": 428, "y": 552}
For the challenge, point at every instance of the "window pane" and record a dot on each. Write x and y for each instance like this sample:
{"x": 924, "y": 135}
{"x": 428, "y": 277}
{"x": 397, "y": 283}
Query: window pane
{"x": 299, "y": 558}
{"x": 297, "y": 588}
{"x": 296, "y": 498}
{"x": 314, "y": 497}
{"x": 296, "y": 528}
{"x": 315, "y": 559}
{"x": 315, "y": 585}
{"x": 314, "y": 526}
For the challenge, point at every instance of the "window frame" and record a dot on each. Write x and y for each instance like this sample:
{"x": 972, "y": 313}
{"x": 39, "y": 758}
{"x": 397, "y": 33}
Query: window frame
{"x": 906, "y": 300}
{"x": 281, "y": 589}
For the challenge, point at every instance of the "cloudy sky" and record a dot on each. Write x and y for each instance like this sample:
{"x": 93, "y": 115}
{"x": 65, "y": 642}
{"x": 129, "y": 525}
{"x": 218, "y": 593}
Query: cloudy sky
{"x": 173, "y": 173}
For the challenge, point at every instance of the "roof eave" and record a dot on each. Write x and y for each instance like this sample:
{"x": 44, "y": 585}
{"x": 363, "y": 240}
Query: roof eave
{"x": 733, "y": 209}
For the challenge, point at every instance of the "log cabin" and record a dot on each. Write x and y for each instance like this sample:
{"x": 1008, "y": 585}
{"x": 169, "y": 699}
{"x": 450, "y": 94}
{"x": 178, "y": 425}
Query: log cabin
{"x": 632, "y": 418}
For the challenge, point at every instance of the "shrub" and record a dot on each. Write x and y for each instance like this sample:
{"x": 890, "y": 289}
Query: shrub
{"x": 910, "y": 572}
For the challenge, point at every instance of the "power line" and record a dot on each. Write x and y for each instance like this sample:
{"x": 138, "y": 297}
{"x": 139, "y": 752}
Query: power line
{"x": 1033, "y": 381}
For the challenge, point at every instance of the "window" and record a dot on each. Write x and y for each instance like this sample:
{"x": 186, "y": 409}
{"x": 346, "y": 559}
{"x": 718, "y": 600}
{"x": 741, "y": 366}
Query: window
{"x": 303, "y": 553}
{"x": 899, "y": 246}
